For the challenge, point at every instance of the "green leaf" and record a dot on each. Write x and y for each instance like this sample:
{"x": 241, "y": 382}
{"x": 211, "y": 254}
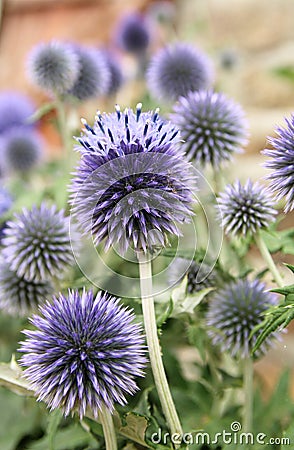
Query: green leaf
{"x": 288, "y": 442}
{"x": 134, "y": 427}
{"x": 65, "y": 439}
{"x": 286, "y": 72}
{"x": 42, "y": 111}
{"x": 11, "y": 378}
{"x": 55, "y": 418}
{"x": 183, "y": 303}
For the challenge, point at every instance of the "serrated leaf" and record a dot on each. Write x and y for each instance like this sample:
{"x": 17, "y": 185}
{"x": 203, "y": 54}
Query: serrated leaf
{"x": 134, "y": 427}
{"x": 183, "y": 303}
{"x": 162, "y": 318}
{"x": 11, "y": 378}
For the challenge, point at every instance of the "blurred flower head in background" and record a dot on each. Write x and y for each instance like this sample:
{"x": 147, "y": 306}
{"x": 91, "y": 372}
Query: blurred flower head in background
{"x": 178, "y": 69}
{"x": 245, "y": 208}
{"x": 132, "y": 33}
{"x": 53, "y": 66}
{"x": 15, "y": 110}
{"x": 213, "y": 127}
{"x": 282, "y": 163}
{"x": 5, "y": 200}
{"x": 115, "y": 71}
{"x": 84, "y": 354}
{"x": 233, "y": 313}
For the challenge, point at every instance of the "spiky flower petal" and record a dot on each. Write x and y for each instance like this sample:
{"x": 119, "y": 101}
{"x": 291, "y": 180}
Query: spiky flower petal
{"x": 213, "y": 127}
{"x": 15, "y": 110}
{"x": 233, "y": 313}
{"x": 22, "y": 149}
{"x": 133, "y": 183}
{"x": 132, "y": 33}
{"x": 282, "y": 163}
{"x": 37, "y": 243}
{"x": 93, "y": 77}
{"x": 177, "y": 70}
{"x": 85, "y": 353}
{"x": 53, "y": 66}
{"x": 18, "y": 296}
{"x": 245, "y": 209}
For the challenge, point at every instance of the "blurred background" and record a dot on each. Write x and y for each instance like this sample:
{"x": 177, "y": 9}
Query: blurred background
{"x": 250, "y": 43}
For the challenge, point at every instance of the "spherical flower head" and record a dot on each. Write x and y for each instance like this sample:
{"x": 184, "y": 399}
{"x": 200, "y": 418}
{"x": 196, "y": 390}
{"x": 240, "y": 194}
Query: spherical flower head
{"x": 133, "y": 184}
{"x": 53, "y": 66}
{"x": 5, "y": 201}
{"x": 15, "y": 110}
{"x": 199, "y": 275}
{"x": 245, "y": 209}
{"x": 18, "y": 296}
{"x": 94, "y": 76}
{"x": 37, "y": 243}
{"x": 178, "y": 69}
{"x": 22, "y": 149}
{"x": 282, "y": 163}
{"x": 213, "y": 127}
{"x": 133, "y": 33}
{"x": 233, "y": 313}
{"x": 84, "y": 353}
{"x": 116, "y": 74}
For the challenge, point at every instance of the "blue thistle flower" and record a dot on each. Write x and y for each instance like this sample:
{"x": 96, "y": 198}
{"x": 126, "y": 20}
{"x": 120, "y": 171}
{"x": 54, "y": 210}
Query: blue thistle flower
{"x": 22, "y": 149}
{"x": 133, "y": 33}
{"x": 282, "y": 163}
{"x": 199, "y": 275}
{"x": 37, "y": 243}
{"x": 212, "y": 126}
{"x": 115, "y": 70}
{"x": 19, "y": 296}
{"x": 233, "y": 313}
{"x": 53, "y": 66}
{"x": 133, "y": 183}
{"x": 85, "y": 353}
{"x": 15, "y": 110}
{"x": 5, "y": 201}
{"x": 245, "y": 209}
{"x": 94, "y": 76}
{"x": 177, "y": 70}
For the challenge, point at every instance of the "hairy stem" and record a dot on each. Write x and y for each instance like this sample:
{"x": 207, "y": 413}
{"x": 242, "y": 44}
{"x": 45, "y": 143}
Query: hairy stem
{"x": 105, "y": 418}
{"x": 268, "y": 259}
{"x": 159, "y": 375}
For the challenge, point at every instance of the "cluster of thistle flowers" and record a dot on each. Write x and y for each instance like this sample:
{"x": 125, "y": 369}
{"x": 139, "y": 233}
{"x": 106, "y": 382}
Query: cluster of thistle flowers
{"x": 132, "y": 187}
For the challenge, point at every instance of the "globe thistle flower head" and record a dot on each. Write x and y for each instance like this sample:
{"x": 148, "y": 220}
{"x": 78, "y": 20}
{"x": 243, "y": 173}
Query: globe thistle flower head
{"x": 37, "y": 243}
{"x": 233, "y": 313}
{"x": 133, "y": 184}
{"x": 199, "y": 275}
{"x": 18, "y": 296}
{"x": 245, "y": 209}
{"x": 15, "y": 110}
{"x": 133, "y": 33}
{"x": 282, "y": 163}
{"x": 178, "y": 69}
{"x": 93, "y": 77}
{"x": 116, "y": 75}
{"x": 84, "y": 353}
{"x": 53, "y": 66}
{"x": 213, "y": 127}
{"x": 5, "y": 201}
{"x": 22, "y": 149}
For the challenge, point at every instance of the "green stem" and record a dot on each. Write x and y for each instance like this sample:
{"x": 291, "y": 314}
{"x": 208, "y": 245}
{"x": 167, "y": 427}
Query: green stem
{"x": 248, "y": 394}
{"x": 268, "y": 259}
{"x": 105, "y": 418}
{"x": 160, "y": 379}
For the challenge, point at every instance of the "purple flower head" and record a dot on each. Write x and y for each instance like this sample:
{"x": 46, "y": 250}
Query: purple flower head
{"x": 199, "y": 275}
{"x": 85, "y": 353}
{"x": 177, "y": 70}
{"x": 233, "y": 313}
{"x": 133, "y": 33}
{"x": 282, "y": 163}
{"x": 94, "y": 76}
{"x": 5, "y": 200}
{"x": 245, "y": 209}
{"x": 15, "y": 110}
{"x": 22, "y": 149}
{"x": 116, "y": 74}
{"x": 53, "y": 66}
{"x": 133, "y": 183}
{"x": 19, "y": 296}
{"x": 37, "y": 243}
{"x": 213, "y": 127}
